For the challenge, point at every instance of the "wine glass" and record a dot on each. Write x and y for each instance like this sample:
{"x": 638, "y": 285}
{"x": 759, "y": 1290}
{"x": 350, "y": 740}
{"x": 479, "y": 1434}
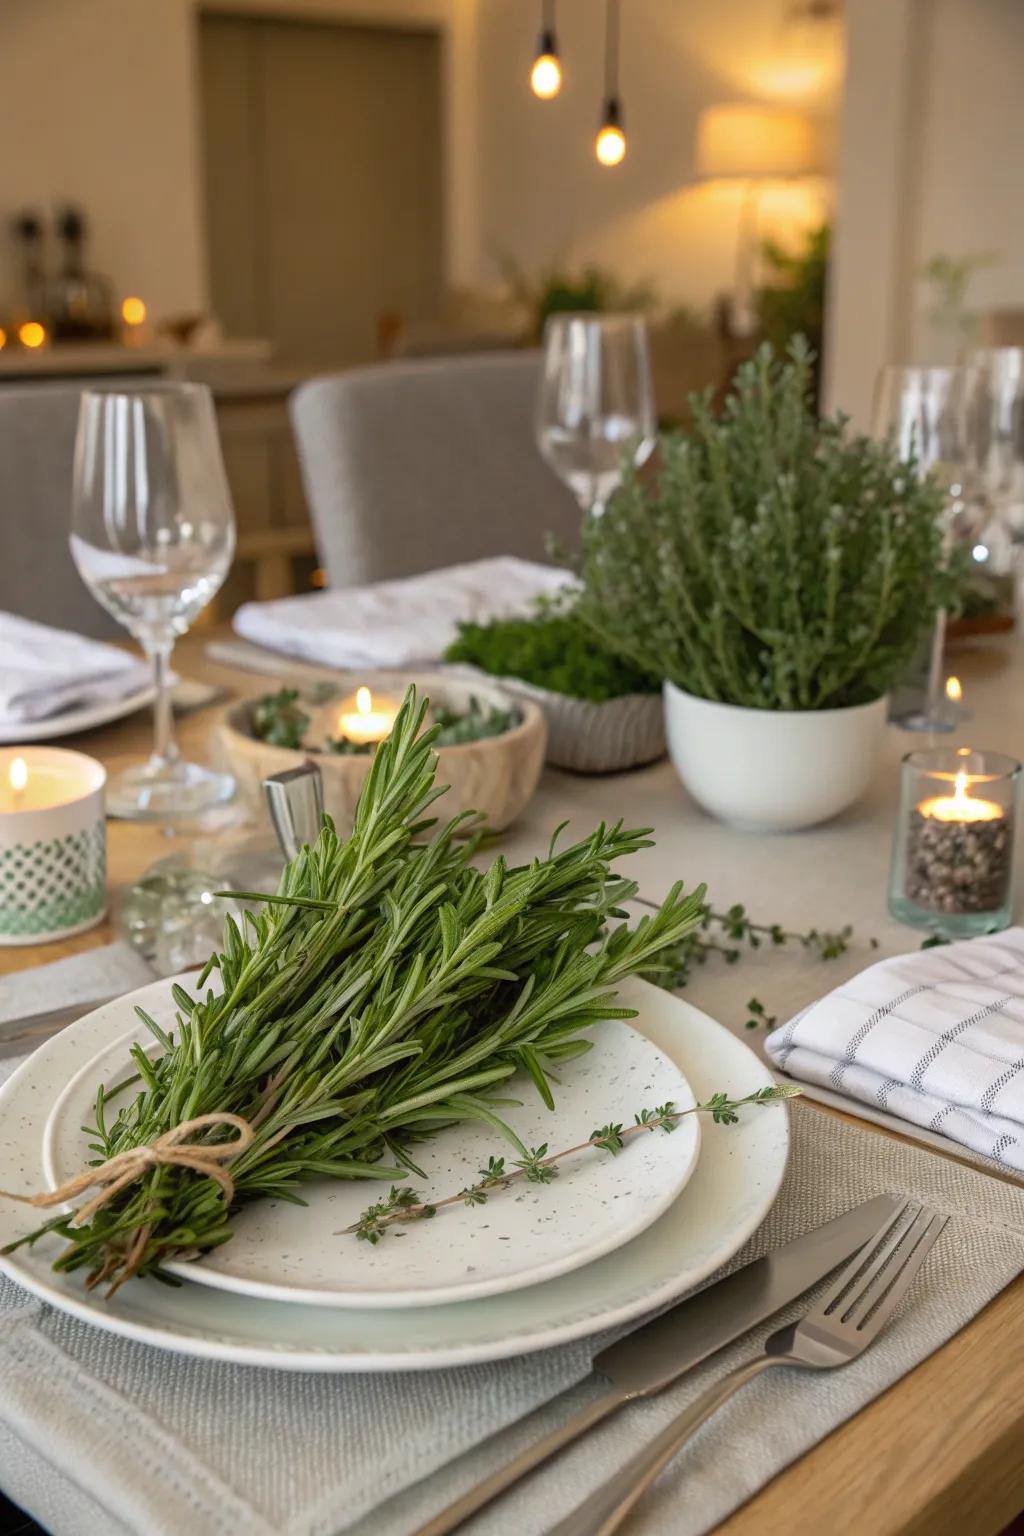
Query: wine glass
{"x": 995, "y": 442}
{"x": 922, "y": 412}
{"x": 596, "y": 404}
{"x": 152, "y": 535}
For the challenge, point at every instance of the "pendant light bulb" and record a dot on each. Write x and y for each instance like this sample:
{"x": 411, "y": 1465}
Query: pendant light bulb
{"x": 546, "y": 74}
{"x": 610, "y": 144}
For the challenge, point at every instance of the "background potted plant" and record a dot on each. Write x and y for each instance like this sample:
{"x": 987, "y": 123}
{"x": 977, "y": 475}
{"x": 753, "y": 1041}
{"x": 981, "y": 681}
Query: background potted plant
{"x": 778, "y": 575}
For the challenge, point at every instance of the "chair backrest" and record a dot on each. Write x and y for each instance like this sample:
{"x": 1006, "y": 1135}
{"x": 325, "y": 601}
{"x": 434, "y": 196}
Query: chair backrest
{"x": 38, "y": 578}
{"x": 412, "y": 466}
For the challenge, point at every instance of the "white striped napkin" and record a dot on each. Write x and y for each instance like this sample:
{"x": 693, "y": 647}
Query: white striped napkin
{"x": 935, "y": 1037}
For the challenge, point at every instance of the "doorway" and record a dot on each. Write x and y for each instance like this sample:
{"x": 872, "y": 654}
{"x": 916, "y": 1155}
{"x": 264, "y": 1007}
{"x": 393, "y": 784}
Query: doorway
{"x": 323, "y": 178}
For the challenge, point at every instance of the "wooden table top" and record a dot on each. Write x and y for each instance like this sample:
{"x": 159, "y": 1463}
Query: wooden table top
{"x": 941, "y": 1451}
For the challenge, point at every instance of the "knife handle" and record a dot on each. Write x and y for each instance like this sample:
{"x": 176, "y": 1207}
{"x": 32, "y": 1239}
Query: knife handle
{"x": 604, "y": 1511}
{"x": 450, "y": 1518}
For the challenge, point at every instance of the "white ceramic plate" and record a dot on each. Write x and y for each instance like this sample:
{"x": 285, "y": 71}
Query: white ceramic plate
{"x": 83, "y": 718}
{"x": 286, "y": 1252}
{"x": 736, "y": 1179}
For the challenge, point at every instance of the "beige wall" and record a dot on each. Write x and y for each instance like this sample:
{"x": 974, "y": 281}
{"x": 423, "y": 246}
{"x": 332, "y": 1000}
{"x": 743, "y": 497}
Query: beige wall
{"x": 933, "y": 121}
{"x": 97, "y": 106}
{"x": 100, "y": 105}
{"x": 544, "y": 197}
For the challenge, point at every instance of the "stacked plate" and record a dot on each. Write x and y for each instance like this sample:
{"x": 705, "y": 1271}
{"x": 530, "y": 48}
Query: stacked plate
{"x": 608, "y": 1241}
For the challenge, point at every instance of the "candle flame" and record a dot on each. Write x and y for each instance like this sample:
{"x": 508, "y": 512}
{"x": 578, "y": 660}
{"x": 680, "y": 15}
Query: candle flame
{"x": 364, "y": 701}
{"x": 954, "y": 690}
{"x": 960, "y": 789}
{"x": 17, "y": 774}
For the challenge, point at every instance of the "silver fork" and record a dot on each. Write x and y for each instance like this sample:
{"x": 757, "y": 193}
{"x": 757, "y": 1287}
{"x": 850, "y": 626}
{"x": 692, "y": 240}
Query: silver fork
{"x": 836, "y": 1331}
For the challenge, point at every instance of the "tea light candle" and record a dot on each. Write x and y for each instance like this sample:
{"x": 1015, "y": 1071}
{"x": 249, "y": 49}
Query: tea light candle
{"x": 959, "y": 851}
{"x": 53, "y": 849}
{"x": 370, "y": 721}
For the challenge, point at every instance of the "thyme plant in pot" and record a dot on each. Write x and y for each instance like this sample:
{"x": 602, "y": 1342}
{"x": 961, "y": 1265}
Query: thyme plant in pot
{"x": 778, "y": 575}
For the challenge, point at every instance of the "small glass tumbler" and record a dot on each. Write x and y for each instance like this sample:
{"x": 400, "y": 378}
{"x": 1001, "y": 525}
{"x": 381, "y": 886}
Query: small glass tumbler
{"x": 953, "y": 847}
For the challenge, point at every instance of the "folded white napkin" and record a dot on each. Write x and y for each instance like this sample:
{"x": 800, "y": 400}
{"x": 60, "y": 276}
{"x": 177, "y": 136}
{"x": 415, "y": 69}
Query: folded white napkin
{"x": 44, "y": 670}
{"x": 398, "y": 623}
{"x": 935, "y": 1037}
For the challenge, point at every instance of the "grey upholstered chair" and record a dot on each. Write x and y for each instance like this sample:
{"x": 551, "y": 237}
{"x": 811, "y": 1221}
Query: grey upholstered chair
{"x": 38, "y": 578}
{"x": 412, "y": 466}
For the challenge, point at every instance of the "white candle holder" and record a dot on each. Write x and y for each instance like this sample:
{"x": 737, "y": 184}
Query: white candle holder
{"x": 53, "y": 844}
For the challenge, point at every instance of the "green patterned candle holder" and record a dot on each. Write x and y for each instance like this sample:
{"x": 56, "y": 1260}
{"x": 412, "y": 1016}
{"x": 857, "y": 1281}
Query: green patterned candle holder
{"x": 53, "y": 844}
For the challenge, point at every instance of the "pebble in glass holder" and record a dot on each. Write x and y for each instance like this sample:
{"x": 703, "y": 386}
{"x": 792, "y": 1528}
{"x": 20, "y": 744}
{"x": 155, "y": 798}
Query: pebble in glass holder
{"x": 953, "y": 849}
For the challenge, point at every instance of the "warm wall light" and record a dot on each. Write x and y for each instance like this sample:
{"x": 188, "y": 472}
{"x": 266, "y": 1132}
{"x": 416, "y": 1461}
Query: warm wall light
{"x": 133, "y": 312}
{"x": 741, "y": 142}
{"x": 751, "y": 144}
{"x": 3, "y": 338}
{"x": 32, "y": 334}
{"x": 546, "y": 74}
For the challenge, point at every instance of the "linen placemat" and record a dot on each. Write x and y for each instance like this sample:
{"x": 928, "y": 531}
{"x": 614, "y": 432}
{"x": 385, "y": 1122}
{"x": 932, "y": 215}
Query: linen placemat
{"x": 99, "y": 1435}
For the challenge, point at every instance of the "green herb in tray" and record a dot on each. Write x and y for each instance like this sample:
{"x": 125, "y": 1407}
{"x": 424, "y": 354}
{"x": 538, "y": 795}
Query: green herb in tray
{"x": 552, "y": 650}
{"x": 279, "y": 719}
{"x": 456, "y": 727}
{"x": 388, "y": 988}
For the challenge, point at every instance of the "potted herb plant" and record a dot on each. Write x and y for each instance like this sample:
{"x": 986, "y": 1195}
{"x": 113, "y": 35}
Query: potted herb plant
{"x": 779, "y": 575}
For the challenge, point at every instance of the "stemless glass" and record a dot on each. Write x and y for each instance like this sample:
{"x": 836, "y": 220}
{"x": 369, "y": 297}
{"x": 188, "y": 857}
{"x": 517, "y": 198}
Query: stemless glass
{"x": 922, "y": 411}
{"x": 596, "y": 403}
{"x": 152, "y": 535}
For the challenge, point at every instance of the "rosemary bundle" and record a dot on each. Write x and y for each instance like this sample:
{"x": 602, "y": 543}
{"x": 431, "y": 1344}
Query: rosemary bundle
{"x": 388, "y": 988}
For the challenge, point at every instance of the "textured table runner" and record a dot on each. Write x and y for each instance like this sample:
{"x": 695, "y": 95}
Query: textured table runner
{"x": 101, "y": 1435}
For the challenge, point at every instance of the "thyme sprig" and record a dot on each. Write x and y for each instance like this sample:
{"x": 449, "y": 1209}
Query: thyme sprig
{"x": 539, "y": 1166}
{"x": 725, "y": 934}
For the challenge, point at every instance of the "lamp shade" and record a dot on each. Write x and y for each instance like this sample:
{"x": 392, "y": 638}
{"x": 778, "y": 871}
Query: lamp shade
{"x": 741, "y": 142}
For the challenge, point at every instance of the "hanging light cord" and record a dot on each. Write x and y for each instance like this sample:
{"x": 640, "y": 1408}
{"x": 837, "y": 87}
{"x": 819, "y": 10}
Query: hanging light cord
{"x": 547, "y": 15}
{"x": 611, "y": 50}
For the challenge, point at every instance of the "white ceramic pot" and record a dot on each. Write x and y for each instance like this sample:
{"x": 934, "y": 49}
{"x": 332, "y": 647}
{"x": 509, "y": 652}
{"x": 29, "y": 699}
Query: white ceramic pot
{"x": 772, "y": 770}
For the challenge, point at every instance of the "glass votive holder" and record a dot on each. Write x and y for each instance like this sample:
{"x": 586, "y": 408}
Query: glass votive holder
{"x": 953, "y": 846}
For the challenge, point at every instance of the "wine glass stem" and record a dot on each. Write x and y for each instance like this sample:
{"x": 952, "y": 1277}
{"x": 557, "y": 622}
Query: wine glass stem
{"x": 936, "y": 668}
{"x": 165, "y": 748}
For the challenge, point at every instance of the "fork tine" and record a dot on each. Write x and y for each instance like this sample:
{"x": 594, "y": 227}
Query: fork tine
{"x": 874, "y": 1319}
{"x": 852, "y": 1272}
{"x": 885, "y": 1265}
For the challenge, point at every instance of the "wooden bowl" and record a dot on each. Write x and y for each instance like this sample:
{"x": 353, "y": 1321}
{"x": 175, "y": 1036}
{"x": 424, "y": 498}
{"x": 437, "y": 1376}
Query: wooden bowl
{"x": 495, "y": 776}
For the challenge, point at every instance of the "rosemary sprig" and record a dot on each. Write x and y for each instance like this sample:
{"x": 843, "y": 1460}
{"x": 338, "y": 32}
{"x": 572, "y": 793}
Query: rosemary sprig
{"x": 539, "y": 1166}
{"x": 387, "y": 988}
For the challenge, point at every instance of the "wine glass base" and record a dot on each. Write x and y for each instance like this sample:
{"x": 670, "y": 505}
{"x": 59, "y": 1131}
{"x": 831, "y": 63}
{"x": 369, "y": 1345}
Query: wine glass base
{"x": 167, "y": 791}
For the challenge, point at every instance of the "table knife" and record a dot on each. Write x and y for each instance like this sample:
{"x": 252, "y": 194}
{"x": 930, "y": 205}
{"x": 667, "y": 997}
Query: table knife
{"x": 658, "y": 1353}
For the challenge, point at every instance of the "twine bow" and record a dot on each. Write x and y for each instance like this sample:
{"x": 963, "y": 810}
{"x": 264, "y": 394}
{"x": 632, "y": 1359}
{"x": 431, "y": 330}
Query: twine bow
{"x": 169, "y": 1151}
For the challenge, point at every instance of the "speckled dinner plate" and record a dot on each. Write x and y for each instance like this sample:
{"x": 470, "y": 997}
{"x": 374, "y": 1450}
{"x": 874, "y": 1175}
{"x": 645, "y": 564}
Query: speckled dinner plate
{"x": 736, "y": 1178}
{"x": 526, "y": 1234}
